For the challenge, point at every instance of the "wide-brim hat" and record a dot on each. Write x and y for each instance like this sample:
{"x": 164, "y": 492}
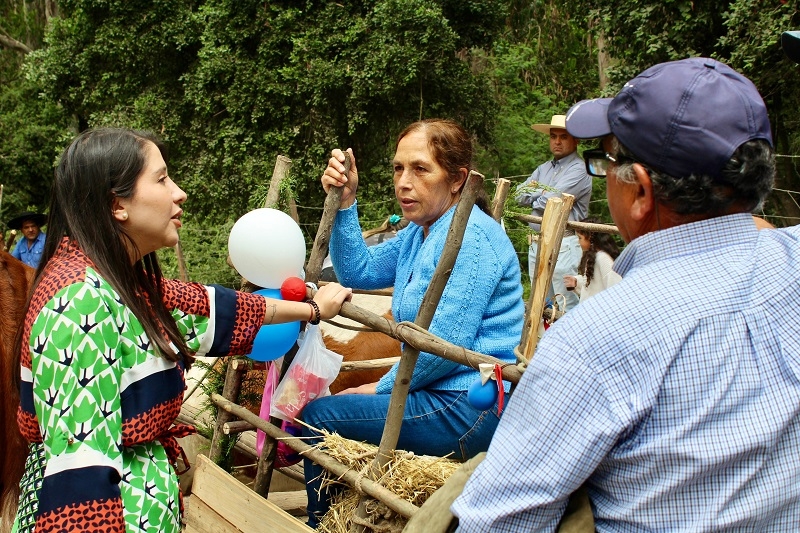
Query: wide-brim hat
{"x": 790, "y": 42}
{"x": 38, "y": 218}
{"x": 558, "y": 122}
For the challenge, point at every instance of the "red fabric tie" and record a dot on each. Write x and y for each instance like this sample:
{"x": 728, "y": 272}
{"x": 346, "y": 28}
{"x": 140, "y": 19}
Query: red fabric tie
{"x": 501, "y": 393}
{"x": 169, "y": 440}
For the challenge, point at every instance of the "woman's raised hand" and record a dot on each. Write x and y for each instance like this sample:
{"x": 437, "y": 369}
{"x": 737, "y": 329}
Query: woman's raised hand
{"x": 330, "y": 298}
{"x": 334, "y": 176}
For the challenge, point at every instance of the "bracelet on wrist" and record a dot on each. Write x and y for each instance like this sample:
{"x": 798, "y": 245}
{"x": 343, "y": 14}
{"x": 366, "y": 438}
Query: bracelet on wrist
{"x": 316, "y": 315}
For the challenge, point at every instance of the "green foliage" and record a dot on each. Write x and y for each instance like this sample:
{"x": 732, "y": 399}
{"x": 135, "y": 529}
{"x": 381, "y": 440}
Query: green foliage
{"x": 538, "y": 68}
{"x": 639, "y": 34}
{"x": 231, "y": 84}
{"x": 28, "y": 127}
{"x": 751, "y": 44}
{"x": 205, "y": 251}
{"x": 742, "y": 33}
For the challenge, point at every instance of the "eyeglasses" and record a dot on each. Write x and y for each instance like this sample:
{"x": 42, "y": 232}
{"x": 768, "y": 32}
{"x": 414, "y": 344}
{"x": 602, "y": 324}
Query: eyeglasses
{"x": 596, "y": 161}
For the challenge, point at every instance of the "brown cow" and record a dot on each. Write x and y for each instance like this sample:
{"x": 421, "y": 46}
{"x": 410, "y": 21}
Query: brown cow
{"x": 361, "y": 346}
{"x": 15, "y": 282}
{"x": 365, "y": 346}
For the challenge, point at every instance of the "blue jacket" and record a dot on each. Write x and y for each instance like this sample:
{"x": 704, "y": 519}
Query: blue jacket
{"x": 481, "y": 308}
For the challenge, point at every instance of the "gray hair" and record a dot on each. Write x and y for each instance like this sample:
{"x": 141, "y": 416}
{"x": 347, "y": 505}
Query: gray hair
{"x": 744, "y": 182}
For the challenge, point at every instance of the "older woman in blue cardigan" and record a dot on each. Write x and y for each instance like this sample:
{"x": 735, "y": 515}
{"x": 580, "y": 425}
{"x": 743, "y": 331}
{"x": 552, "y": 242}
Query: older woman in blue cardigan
{"x": 481, "y": 308}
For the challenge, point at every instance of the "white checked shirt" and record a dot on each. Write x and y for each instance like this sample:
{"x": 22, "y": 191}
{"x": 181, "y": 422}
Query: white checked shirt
{"x": 675, "y": 393}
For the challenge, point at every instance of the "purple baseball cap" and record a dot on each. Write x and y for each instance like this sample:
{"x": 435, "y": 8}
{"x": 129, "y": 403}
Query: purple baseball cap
{"x": 681, "y": 118}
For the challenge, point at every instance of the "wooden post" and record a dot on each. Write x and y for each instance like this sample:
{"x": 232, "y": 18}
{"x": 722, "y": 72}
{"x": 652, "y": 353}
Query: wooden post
{"x": 265, "y": 460}
{"x": 293, "y": 210}
{"x": 576, "y": 226}
{"x": 500, "y": 196}
{"x": 233, "y": 384}
{"x": 320, "y": 248}
{"x": 397, "y": 402}
{"x": 12, "y": 235}
{"x": 556, "y": 213}
{"x": 282, "y": 167}
{"x": 269, "y": 449}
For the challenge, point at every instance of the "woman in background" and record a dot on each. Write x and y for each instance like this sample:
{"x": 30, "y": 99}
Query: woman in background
{"x": 595, "y": 269}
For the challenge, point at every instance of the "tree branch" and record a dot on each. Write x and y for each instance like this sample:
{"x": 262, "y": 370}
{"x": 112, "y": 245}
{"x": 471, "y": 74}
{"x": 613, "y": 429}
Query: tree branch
{"x": 11, "y": 43}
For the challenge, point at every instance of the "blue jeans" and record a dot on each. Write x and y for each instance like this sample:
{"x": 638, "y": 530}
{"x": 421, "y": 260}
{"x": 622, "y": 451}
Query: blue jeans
{"x": 569, "y": 258}
{"x": 435, "y": 423}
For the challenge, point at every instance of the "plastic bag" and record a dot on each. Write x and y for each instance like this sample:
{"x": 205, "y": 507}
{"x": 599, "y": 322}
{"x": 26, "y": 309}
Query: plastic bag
{"x": 285, "y": 456}
{"x": 313, "y": 369}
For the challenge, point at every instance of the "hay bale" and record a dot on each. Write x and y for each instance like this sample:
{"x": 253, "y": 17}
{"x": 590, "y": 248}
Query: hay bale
{"x": 412, "y": 477}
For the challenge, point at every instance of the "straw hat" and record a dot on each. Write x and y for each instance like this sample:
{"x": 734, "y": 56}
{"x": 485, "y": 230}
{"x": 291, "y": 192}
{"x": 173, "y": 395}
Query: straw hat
{"x": 38, "y": 218}
{"x": 558, "y": 122}
{"x": 790, "y": 41}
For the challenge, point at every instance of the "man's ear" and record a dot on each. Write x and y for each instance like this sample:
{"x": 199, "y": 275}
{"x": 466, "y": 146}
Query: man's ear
{"x": 644, "y": 202}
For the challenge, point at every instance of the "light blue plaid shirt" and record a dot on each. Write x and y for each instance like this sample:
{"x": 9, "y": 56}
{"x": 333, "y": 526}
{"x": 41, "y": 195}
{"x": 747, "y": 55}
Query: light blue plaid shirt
{"x": 567, "y": 174}
{"x": 675, "y": 393}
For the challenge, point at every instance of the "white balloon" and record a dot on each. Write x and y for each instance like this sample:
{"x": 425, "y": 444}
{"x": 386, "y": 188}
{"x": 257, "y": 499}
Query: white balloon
{"x": 266, "y": 247}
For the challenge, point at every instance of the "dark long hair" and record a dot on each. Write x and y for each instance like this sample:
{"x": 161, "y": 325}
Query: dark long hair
{"x": 597, "y": 241}
{"x": 97, "y": 167}
{"x": 451, "y": 146}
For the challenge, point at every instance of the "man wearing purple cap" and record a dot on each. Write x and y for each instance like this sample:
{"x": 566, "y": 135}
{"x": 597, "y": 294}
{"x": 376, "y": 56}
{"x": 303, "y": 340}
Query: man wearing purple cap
{"x": 679, "y": 406}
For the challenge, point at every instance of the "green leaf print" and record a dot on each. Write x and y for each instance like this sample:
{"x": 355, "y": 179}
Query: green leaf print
{"x": 110, "y": 333}
{"x": 58, "y": 441}
{"x": 136, "y": 478}
{"x": 87, "y": 304}
{"x": 45, "y": 376}
{"x": 61, "y": 337}
{"x": 84, "y": 411}
{"x": 104, "y": 443}
{"x": 109, "y": 389}
{"x": 134, "y": 326}
{"x": 86, "y": 356}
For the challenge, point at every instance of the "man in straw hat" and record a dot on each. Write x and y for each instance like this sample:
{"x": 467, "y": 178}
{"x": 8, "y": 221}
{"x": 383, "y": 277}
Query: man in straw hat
{"x": 564, "y": 173}
{"x": 29, "y": 250}
{"x": 790, "y": 42}
{"x": 673, "y": 396}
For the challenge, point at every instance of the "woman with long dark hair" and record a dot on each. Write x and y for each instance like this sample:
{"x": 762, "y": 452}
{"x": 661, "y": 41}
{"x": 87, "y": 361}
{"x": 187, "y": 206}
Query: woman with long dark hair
{"x": 106, "y": 340}
{"x": 595, "y": 271}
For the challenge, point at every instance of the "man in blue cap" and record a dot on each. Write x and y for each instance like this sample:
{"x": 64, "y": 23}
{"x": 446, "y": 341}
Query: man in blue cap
{"x": 679, "y": 407}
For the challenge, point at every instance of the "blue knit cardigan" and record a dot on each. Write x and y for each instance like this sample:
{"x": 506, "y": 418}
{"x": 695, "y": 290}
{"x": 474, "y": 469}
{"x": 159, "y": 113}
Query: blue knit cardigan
{"x": 481, "y": 308}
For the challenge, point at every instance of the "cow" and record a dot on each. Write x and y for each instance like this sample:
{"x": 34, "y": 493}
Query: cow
{"x": 362, "y": 345}
{"x": 15, "y": 282}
